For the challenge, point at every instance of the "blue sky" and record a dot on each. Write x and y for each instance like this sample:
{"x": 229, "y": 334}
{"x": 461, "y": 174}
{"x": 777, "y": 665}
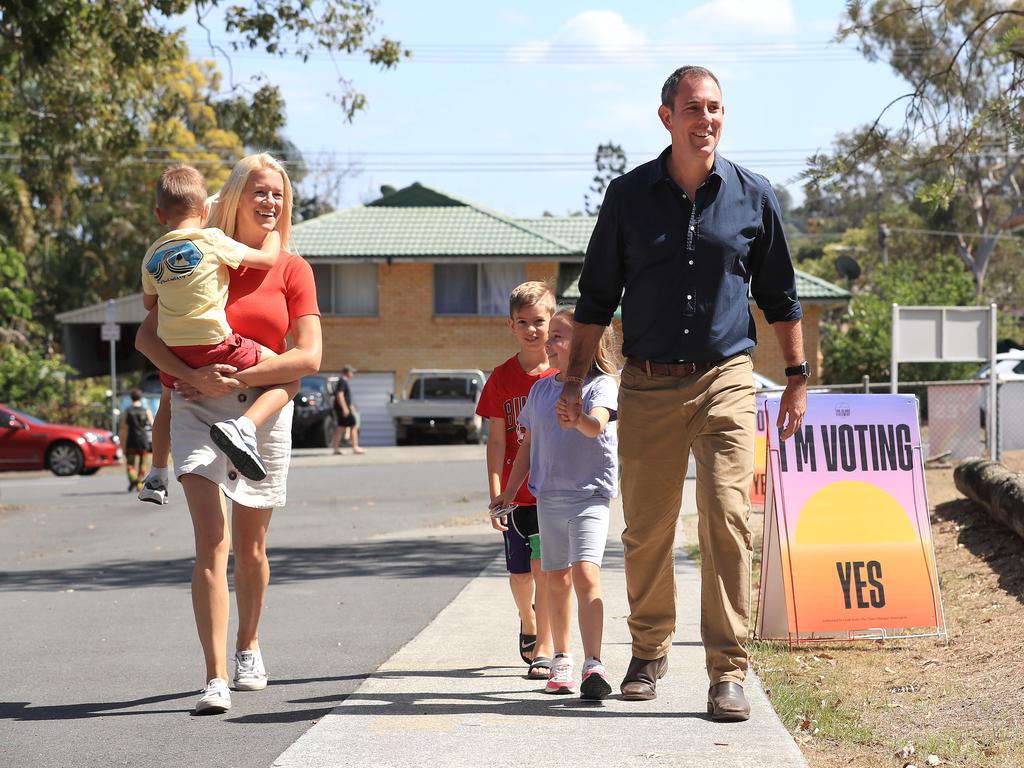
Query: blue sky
{"x": 506, "y": 103}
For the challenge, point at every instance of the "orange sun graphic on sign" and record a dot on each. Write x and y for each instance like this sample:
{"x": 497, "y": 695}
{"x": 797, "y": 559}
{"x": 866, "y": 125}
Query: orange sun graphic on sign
{"x": 856, "y": 553}
{"x": 853, "y": 512}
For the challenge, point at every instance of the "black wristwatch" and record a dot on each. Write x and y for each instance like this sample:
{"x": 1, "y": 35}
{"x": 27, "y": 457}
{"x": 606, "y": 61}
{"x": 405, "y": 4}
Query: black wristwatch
{"x": 799, "y": 370}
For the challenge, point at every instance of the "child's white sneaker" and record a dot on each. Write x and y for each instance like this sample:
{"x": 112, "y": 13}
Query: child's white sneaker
{"x": 237, "y": 438}
{"x": 154, "y": 490}
{"x": 216, "y": 698}
{"x": 561, "y": 675}
{"x": 250, "y": 674}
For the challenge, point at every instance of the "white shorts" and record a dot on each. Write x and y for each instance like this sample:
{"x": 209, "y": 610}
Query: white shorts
{"x": 194, "y": 452}
{"x": 573, "y": 528}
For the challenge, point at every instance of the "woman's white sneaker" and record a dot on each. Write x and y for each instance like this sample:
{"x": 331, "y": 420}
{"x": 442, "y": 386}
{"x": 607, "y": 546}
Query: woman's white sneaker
{"x": 250, "y": 674}
{"x": 216, "y": 698}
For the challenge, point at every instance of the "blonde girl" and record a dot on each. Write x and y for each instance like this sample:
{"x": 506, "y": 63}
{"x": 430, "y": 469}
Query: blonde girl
{"x": 573, "y": 471}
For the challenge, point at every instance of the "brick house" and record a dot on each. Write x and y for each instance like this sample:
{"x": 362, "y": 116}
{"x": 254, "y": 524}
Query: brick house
{"x": 420, "y": 279}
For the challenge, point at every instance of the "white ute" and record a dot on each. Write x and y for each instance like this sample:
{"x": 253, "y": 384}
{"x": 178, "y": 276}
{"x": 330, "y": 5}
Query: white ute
{"x": 439, "y": 403}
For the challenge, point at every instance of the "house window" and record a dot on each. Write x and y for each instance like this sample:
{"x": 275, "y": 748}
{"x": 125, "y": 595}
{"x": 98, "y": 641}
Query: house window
{"x": 347, "y": 289}
{"x": 475, "y": 289}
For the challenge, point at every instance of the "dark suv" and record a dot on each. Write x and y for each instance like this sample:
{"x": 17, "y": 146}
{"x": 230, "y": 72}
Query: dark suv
{"x": 313, "y": 422}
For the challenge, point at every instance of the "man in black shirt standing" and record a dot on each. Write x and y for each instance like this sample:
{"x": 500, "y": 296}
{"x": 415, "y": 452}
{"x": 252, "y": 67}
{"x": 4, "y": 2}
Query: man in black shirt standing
{"x": 680, "y": 240}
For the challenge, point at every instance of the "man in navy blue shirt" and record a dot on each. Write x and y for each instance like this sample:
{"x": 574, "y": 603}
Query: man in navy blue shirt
{"x": 680, "y": 241}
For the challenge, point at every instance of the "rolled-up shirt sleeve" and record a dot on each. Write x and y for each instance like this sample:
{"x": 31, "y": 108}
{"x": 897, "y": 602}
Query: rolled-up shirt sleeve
{"x": 602, "y": 279}
{"x": 773, "y": 279}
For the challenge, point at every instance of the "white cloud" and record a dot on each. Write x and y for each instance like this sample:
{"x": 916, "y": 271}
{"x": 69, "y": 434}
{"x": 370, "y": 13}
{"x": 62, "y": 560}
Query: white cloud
{"x": 733, "y": 18}
{"x": 588, "y": 37}
{"x": 512, "y": 17}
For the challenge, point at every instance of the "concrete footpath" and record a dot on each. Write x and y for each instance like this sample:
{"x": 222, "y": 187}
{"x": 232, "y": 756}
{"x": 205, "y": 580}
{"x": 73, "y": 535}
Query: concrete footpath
{"x": 457, "y": 696}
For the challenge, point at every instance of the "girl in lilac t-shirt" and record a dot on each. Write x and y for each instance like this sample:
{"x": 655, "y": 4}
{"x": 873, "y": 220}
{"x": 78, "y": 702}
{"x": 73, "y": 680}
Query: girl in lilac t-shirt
{"x": 573, "y": 472}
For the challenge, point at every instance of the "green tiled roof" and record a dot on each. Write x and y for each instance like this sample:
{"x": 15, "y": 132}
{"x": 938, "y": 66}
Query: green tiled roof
{"x": 421, "y": 223}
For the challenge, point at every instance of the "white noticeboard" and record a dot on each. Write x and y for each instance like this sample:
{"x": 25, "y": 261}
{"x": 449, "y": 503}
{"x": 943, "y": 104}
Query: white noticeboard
{"x": 110, "y": 332}
{"x": 947, "y": 335}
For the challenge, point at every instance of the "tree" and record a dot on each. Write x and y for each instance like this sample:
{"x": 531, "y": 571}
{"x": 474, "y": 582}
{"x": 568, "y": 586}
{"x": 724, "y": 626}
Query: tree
{"x": 610, "y": 160}
{"x": 960, "y": 128}
{"x": 95, "y": 98}
{"x": 861, "y": 342}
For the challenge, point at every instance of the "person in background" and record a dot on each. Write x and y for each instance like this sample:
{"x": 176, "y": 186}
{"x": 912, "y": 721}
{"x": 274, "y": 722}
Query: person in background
{"x": 346, "y": 417}
{"x": 135, "y": 439}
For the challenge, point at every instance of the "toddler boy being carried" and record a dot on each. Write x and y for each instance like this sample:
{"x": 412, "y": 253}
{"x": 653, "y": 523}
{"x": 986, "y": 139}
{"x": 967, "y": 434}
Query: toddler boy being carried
{"x": 185, "y": 275}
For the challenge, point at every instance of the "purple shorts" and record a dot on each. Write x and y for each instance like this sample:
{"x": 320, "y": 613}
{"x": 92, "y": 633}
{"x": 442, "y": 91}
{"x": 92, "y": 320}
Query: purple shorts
{"x": 522, "y": 539}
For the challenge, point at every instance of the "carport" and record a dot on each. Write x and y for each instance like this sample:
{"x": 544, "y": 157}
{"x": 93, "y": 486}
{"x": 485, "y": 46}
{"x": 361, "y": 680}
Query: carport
{"x": 85, "y": 349}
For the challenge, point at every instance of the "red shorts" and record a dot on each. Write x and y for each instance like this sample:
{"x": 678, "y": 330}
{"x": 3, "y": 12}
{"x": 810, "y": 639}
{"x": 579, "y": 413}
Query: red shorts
{"x": 234, "y": 350}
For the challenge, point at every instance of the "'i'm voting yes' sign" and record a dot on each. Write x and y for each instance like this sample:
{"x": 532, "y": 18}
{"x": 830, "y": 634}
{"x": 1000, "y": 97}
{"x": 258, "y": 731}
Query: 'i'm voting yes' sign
{"x": 847, "y": 547}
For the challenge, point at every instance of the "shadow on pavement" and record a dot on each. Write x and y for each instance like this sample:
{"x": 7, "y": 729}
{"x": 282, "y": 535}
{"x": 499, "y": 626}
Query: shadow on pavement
{"x": 23, "y": 710}
{"x": 380, "y": 559}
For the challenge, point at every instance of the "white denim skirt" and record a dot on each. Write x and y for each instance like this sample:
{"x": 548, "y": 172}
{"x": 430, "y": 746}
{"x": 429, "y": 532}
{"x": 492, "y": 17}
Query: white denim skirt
{"x": 195, "y": 453}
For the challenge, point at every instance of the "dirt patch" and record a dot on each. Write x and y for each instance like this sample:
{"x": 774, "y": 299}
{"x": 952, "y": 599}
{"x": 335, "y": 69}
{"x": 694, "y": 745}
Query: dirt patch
{"x": 857, "y": 704}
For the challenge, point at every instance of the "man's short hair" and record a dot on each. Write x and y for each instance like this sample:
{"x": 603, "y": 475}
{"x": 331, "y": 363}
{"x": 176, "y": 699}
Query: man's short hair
{"x": 347, "y": 369}
{"x": 668, "y": 90}
{"x": 530, "y": 293}
{"x": 136, "y": 394}
{"x": 181, "y": 191}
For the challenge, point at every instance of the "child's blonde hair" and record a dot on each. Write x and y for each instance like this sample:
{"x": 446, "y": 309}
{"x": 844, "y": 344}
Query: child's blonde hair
{"x": 181, "y": 191}
{"x": 530, "y": 294}
{"x": 606, "y": 358}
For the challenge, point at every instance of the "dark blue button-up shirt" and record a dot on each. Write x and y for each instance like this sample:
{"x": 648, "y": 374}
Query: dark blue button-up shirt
{"x": 683, "y": 268}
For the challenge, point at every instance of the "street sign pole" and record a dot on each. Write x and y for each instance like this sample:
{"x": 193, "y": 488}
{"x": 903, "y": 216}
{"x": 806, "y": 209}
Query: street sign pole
{"x": 112, "y": 336}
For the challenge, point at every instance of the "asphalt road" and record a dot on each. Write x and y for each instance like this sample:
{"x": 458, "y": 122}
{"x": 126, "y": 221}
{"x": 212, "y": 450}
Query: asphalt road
{"x": 99, "y": 662}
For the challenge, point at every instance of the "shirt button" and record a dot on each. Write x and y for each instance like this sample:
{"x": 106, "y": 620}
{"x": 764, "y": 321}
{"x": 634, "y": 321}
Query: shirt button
{"x": 686, "y": 330}
{"x": 688, "y": 296}
{"x": 690, "y": 262}
{"x": 691, "y": 227}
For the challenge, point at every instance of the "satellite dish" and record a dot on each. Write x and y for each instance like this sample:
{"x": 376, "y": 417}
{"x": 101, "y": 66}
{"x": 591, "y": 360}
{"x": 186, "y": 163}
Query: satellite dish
{"x": 848, "y": 267}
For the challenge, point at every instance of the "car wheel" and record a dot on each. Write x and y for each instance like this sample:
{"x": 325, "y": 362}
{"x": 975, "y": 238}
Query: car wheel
{"x": 89, "y": 471}
{"x": 64, "y": 459}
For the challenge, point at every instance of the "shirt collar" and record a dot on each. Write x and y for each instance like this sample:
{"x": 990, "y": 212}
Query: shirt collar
{"x": 659, "y": 171}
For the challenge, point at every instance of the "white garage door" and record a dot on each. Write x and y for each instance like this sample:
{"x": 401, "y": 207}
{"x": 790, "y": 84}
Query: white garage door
{"x": 371, "y": 393}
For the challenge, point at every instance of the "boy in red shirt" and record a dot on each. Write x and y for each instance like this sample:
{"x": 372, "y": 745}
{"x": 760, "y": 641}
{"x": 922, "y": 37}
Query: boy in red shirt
{"x": 531, "y": 306}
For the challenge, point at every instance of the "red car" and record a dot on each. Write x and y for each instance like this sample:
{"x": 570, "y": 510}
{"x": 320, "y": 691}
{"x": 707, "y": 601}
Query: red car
{"x": 30, "y": 443}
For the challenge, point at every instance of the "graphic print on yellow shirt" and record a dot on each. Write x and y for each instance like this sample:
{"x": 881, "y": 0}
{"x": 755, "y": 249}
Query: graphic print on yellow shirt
{"x": 187, "y": 269}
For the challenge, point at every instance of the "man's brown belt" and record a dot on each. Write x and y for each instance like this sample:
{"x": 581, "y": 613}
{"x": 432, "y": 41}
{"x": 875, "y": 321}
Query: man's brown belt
{"x": 678, "y": 369}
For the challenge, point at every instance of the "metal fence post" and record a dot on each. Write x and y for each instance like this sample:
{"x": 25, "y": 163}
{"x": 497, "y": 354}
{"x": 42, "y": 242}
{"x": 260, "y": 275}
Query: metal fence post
{"x": 866, "y": 381}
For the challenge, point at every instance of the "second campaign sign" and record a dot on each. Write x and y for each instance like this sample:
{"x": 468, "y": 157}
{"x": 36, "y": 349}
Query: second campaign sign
{"x": 847, "y": 546}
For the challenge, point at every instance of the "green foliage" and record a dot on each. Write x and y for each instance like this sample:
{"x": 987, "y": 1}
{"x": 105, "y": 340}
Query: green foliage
{"x": 859, "y": 343}
{"x": 32, "y": 379}
{"x": 956, "y": 148}
{"x": 610, "y": 162}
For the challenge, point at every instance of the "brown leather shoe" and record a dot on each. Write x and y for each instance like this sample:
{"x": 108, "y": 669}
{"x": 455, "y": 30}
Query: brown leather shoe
{"x": 726, "y": 702}
{"x": 642, "y": 677}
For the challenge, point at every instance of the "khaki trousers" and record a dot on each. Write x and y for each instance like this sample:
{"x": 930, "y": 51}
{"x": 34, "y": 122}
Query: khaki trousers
{"x": 661, "y": 419}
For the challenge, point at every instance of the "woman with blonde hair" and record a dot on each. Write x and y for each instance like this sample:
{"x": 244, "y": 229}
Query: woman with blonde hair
{"x": 268, "y": 306}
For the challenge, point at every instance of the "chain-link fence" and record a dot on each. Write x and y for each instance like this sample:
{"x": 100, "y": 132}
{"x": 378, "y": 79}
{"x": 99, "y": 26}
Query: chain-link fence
{"x": 954, "y": 414}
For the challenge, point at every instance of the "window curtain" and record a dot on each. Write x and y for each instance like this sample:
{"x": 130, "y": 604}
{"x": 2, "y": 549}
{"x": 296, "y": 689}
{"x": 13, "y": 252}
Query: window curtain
{"x": 455, "y": 289}
{"x": 355, "y": 290}
{"x": 496, "y": 283}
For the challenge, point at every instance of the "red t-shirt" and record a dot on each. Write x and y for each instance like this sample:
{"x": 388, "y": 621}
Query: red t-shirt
{"x": 503, "y": 396}
{"x": 263, "y": 302}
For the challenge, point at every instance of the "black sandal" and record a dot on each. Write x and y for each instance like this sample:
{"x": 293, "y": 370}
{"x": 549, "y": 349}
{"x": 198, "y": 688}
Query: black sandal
{"x": 540, "y": 668}
{"x": 527, "y": 643}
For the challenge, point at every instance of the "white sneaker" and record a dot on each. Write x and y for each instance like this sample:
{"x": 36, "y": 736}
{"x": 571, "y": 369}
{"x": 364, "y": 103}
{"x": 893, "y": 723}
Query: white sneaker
{"x": 250, "y": 674}
{"x": 216, "y": 697}
{"x": 561, "y": 675}
{"x": 237, "y": 438}
{"x": 154, "y": 490}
